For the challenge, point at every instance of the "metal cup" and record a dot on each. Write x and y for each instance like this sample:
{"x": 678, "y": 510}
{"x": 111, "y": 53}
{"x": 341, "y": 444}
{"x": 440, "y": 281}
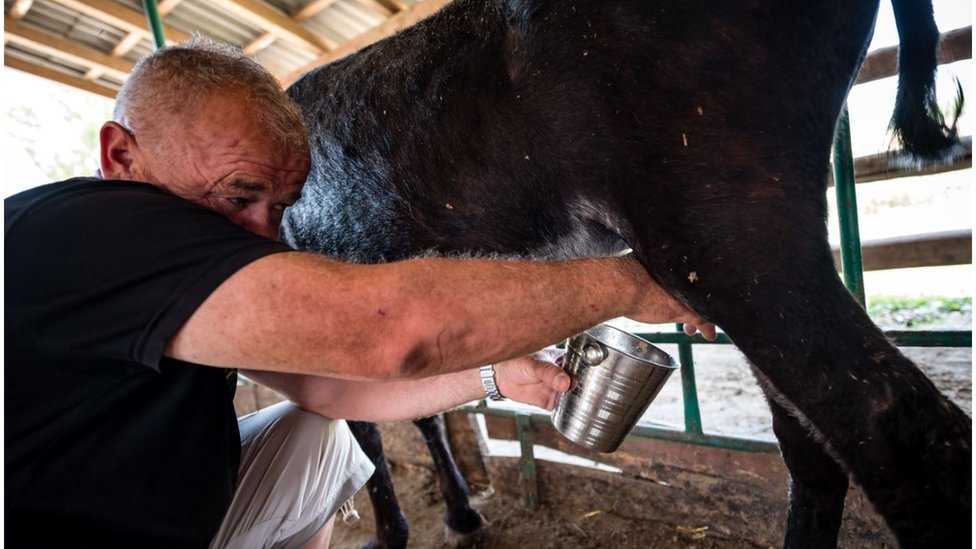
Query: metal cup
{"x": 619, "y": 374}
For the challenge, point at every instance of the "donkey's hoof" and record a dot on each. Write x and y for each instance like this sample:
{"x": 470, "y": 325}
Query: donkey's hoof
{"x": 468, "y": 531}
{"x": 394, "y": 537}
{"x": 465, "y": 522}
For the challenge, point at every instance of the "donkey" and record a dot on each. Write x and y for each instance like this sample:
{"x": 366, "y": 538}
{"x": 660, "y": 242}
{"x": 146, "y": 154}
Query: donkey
{"x": 697, "y": 134}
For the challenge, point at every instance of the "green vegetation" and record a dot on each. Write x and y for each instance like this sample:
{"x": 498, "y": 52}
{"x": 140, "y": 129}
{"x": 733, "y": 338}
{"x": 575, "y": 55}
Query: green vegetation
{"x": 33, "y": 132}
{"x": 918, "y": 311}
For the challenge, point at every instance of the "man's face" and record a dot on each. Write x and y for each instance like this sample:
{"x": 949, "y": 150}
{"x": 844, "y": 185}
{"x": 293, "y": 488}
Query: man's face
{"x": 225, "y": 161}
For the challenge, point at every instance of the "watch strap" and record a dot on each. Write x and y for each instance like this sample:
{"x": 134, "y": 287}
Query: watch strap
{"x": 488, "y": 382}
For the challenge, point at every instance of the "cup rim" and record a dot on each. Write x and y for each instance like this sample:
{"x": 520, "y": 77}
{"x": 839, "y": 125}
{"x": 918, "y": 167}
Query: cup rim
{"x": 594, "y": 333}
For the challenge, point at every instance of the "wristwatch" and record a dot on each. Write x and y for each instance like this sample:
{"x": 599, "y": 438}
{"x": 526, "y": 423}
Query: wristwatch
{"x": 488, "y": 382}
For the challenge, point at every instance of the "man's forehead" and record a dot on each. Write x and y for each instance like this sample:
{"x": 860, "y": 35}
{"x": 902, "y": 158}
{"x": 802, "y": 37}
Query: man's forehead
{"x": 249, "y": 186}
{"x": 227, "y": 126}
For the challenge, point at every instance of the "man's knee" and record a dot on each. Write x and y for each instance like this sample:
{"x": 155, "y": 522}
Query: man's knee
{"x": 288, "y": 423}
{"x": 297, "y": 468}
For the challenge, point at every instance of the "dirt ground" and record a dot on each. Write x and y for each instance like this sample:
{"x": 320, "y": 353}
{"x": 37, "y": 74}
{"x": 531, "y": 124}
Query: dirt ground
{"x": 514, "y": 527}
{"x": 730, "y": 404}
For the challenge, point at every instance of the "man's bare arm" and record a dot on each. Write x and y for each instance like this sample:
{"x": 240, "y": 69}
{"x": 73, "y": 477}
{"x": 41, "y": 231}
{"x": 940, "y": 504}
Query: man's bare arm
{"x": 533, "y": 379}
{"x": 302, "y": 313}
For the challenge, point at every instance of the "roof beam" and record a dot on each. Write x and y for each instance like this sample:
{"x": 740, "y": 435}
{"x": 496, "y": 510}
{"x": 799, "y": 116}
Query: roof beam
{"x": 132, "y": 39}
{"x": 275, "y": 22}
{"x": 376, "y": 7}
{"x": 396, "y": 6}
{"x": 123, "y": 47}
{"x": 259, "y": 43}
{"x": 119, "y": 16}
{"x": 166, "y": 7}
{"x": 58, "y": 76}
{"x": 311, "y": 9}
{"x": 20, "y": 8}
{"x": 55, "y": 46}
{"x": 126, "y": 44}
{"x": 387, "y": 28}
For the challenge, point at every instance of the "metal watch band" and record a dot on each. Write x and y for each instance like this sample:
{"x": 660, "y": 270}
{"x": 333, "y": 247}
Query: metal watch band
{"x": 488, "y": 382}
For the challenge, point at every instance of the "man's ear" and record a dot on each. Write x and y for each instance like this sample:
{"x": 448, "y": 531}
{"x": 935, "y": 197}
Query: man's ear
{"x": 119, "y": 152}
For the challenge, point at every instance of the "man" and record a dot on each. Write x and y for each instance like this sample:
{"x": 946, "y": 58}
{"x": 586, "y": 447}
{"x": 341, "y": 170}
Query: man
{"x": 132, "y": 300}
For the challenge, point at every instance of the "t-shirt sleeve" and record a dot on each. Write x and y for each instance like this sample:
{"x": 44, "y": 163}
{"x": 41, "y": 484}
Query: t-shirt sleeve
{"x": 111, "y": 270}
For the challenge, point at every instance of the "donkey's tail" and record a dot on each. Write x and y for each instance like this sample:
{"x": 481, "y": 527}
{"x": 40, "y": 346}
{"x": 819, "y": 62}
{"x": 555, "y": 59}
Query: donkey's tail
{"x": 917, "y": 122}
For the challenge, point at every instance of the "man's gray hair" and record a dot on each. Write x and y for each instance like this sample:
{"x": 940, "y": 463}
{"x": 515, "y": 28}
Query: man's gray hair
{"x": 176, "y": 79}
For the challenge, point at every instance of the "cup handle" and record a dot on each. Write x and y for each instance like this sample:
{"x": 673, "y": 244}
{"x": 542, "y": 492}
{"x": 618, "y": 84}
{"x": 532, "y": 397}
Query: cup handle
{"x": 594, "y": 353}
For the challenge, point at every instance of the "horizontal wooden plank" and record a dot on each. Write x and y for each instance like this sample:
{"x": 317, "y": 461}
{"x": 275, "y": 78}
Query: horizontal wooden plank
{"x": 58, "y": 76}
{"x": 748, "y": 503}
{"x": 58, "y": 47}
{"x": 375, "y": 7}
{"x": 311, "y": 9}
{"x": 276, "y": 22}
{"x": 387, "y": 28}
{"x": 954, "y": 45}
{"x": 165, "y": 7}
{"x": 628, "y": 456}
{"x": 894, "y": 164}
{"x": 502, "y": 428}
{"x": 117, "y": 15}
{"x": 918, "y": 250}
{"x": 394, "y": 6}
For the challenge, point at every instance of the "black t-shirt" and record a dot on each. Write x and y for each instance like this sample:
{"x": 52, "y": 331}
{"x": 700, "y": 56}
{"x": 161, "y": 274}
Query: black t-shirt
{"x": 107, "y": 442}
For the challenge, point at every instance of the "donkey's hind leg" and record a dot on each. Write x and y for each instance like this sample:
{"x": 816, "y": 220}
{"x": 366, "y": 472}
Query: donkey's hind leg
{"x": 392, "y": 531}
{"x": 818, "y": 484}
{"x": 763, "y": 271}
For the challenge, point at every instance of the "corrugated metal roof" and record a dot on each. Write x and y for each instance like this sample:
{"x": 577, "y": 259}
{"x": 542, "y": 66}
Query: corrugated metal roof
{"x": 95, "y": 41}
{"x": 206, "y": 19}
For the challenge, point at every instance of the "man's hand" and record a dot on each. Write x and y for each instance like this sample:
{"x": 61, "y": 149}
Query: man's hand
{"x": 707, "y": 329}
{"x": 535, "y": 379}
{"x": 655, "y": 305}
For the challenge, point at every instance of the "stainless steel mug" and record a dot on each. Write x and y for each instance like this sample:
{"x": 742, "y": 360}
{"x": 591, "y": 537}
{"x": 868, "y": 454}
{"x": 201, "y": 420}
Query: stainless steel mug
{"x": 619, "y": 374}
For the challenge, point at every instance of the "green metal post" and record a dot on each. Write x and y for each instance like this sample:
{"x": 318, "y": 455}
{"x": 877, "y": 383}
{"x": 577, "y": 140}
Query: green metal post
{"x": 850, "y": 238}
{"x": 155, "y": 22}
{"x": 689, "y": 391}
{"x": 528, "y": 478}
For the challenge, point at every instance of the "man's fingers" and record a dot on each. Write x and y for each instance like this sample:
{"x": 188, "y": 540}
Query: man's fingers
{"x": 534, "y": 380}
{"x": 707, "y": 329}
{"x": 552, "y": 376}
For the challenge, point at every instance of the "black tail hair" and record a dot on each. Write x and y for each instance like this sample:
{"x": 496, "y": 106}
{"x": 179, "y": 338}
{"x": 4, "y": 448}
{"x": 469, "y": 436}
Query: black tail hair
{"x": 918, "y": 123}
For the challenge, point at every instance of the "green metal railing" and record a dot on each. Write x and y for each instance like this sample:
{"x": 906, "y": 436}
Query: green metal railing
{"x": 850, "y": 233}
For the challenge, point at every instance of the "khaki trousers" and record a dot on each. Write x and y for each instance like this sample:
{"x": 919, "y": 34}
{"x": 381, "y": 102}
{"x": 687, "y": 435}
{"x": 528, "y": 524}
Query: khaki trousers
{"x": 297, "y": 469}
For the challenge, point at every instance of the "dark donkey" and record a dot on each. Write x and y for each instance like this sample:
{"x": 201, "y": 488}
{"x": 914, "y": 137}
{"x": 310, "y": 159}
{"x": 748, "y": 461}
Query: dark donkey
{"x": 696, "y": 133}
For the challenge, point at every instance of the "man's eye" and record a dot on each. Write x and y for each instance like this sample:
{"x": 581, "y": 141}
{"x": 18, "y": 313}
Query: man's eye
{"x": 238, "y": 201}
